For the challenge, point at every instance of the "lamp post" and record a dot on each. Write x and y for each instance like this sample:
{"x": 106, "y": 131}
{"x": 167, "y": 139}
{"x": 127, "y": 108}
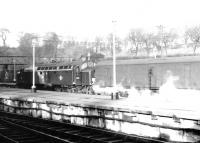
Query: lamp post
{"x": 33, "y": 88}
{"x": 114, "y": 60}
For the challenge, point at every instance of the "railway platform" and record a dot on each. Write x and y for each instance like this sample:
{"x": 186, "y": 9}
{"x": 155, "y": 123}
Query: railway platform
{"x": 172, "y": 119}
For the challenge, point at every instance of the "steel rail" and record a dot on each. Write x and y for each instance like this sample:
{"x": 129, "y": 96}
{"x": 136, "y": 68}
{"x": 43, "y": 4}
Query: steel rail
{"x": 75, "y": 133}
{"x": 16, "y": 133}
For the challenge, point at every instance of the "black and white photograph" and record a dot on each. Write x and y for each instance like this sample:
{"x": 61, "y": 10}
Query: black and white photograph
{"x": 99, "y": 71}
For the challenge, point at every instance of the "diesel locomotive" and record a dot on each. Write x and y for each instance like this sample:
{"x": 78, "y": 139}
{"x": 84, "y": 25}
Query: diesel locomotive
{"x": 74, "y": 76}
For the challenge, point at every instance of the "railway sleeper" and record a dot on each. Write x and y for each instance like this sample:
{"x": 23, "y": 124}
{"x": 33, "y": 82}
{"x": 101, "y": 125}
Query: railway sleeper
{"x": 81, "y": 133}
{"x": 21, "y": 130}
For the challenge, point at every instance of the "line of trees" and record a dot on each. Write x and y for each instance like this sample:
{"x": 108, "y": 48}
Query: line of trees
{"x": 150, "y": 43}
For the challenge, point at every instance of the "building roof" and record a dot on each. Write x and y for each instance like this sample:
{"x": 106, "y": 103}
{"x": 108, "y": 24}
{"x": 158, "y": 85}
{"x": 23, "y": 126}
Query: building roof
{"x": 185, "y": 59}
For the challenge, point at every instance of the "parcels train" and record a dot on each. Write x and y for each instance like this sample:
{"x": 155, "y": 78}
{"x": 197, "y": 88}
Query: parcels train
{"x": 77, "y": 76}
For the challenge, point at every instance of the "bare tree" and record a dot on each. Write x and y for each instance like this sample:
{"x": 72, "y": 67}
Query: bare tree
{"x": 193, "y": 34}
{"x": 147, "y": 41}
{"x": 168, "y": 39}
{"x": 135, "y": 37}
{"x": 163, "y": 40}
{"x": 3, "y": 34}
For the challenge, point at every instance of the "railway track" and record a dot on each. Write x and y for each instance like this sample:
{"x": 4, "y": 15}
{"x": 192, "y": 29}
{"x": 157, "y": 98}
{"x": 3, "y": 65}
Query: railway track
{"x": 22, "y": 129}
{"x": 13, "y": 133}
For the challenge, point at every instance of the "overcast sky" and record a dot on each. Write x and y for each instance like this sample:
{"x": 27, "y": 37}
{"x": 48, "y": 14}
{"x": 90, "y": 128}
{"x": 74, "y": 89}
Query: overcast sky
{"x": 88, "y": 18}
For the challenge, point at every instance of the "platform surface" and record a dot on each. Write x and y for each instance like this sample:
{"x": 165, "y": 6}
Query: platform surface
{"x": 184, "y": 106}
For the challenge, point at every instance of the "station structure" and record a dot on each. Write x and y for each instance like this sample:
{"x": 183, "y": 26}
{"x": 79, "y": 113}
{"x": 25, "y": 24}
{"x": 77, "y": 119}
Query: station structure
{"x": 147, "y": 116}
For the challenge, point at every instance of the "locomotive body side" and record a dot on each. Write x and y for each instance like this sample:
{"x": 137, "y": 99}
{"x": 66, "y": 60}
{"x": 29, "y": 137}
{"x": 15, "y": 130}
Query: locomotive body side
{"x": 58, "y": 77}
{"x": 68, "y": 77}
{"x": 55, "y": 75}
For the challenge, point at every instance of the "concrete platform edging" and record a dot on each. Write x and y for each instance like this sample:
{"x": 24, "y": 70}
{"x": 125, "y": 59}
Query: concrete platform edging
{"x": 126, "y": 121}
